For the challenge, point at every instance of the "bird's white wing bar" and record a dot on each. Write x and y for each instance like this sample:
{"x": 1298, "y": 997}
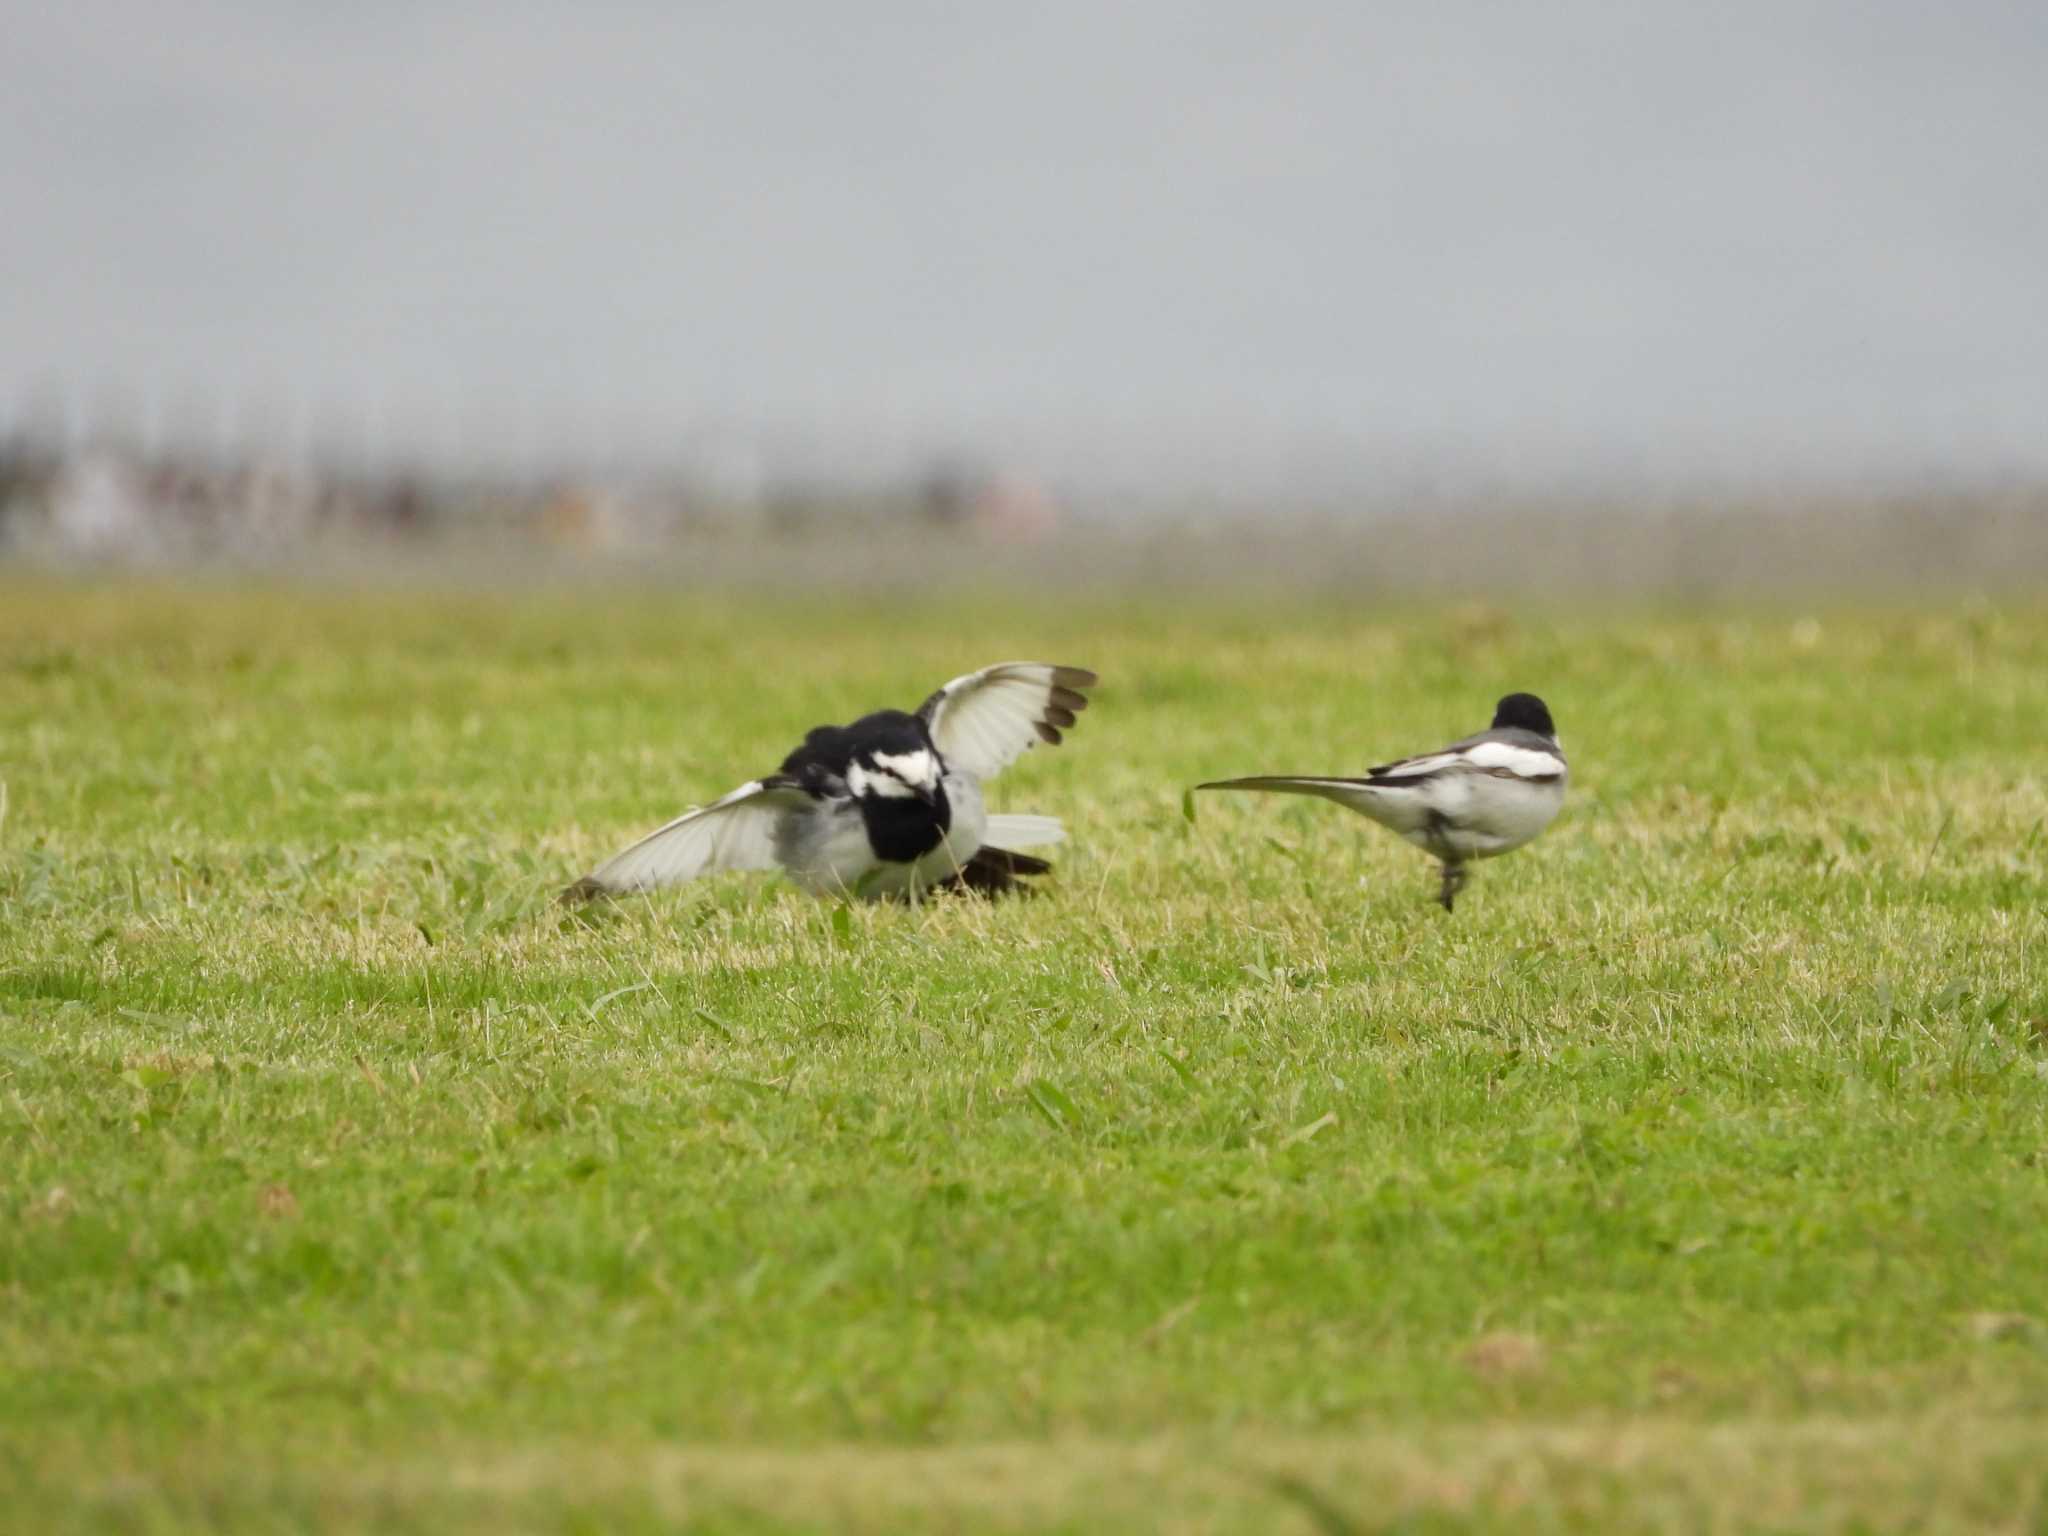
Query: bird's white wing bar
{"x": 736, "y": 832}
{"x": 985, "y": 721}
{"x": 1480, "y": 756}
{"x": 1522, "y": 762}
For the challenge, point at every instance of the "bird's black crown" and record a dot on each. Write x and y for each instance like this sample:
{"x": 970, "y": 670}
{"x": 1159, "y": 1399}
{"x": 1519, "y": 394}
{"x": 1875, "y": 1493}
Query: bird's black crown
{"x": 1523, "y": 711}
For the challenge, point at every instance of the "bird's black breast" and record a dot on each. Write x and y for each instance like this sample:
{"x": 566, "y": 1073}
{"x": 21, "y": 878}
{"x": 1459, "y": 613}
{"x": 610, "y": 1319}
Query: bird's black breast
{"x": 902, "y": 831}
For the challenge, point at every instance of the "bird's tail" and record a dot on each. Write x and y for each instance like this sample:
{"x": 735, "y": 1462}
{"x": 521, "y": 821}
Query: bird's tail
{"x": 996, "y": 872}
{"x": 1345, "y": 790}
{"x": 996, "y": 868}
{"x": 1024, "y": 832}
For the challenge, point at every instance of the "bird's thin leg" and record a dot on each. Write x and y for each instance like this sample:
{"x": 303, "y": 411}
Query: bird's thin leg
{"x": 1453, "y": 882}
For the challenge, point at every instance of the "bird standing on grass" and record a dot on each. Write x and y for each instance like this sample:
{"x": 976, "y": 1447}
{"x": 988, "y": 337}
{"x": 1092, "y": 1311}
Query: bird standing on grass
{"x": 887, "y": 806}
{"x": 1475, "y": 799}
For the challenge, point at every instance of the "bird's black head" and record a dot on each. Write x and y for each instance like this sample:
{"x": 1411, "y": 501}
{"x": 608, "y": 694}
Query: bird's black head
{"x": 896, "y": 777}
{"x": 891, "y": 757}
{"x": 1525, "y": 712}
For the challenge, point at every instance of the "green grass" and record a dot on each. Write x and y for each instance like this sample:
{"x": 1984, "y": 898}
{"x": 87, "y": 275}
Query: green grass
{"x": 1693, "y": 1176}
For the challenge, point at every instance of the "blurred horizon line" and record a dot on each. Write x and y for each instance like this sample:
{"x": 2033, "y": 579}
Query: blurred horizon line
{"x": 1136, "y": 459}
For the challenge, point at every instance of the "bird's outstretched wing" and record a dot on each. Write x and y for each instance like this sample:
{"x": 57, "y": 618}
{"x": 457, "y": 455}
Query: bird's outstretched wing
{"x": 985, "y": 721}
{"x": 736, "y": 832}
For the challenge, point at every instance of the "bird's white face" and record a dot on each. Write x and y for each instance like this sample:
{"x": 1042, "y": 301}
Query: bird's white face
{"x": 895, "y": 775}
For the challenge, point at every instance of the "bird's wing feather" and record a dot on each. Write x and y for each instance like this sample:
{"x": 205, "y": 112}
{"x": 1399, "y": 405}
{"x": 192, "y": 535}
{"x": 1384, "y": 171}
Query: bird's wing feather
{"x": 1416, "y": 767}
{"x": 735, "y": 832}
{"x": 985, "y": 721}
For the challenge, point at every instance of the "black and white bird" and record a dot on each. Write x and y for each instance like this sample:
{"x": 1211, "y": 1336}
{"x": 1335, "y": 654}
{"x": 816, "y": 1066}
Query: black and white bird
{"x": 1477, "y": 798}
{"x": 890, "y": 805}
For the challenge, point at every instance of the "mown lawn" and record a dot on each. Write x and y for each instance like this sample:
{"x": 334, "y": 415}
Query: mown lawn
{"x": 1693, "y": 1175}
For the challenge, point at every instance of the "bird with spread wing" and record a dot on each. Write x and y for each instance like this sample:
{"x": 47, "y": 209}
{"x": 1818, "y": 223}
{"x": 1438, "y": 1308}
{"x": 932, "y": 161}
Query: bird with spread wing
{"x": 889, "y": 806}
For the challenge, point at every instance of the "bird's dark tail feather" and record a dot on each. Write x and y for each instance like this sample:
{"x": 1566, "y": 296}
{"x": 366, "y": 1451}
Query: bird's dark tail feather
{"x": 996, "y": 872}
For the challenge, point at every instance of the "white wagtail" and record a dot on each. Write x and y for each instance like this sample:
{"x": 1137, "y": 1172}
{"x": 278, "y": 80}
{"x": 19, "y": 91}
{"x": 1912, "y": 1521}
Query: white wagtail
{"x": 1483, "y": 796}
{"x": 887, "y": 806}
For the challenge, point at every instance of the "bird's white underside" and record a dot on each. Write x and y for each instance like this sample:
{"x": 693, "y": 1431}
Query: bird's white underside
{"x": 824, "y": 848}
{"x": 1463, "y": 815}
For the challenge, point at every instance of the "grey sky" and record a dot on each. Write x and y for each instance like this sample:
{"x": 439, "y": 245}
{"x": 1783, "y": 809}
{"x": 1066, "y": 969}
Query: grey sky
{"x": 1808, "y": 234}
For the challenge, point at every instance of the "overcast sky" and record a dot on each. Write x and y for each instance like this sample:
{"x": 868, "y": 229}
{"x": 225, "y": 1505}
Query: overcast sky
{"x": 1648, "y": 233}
